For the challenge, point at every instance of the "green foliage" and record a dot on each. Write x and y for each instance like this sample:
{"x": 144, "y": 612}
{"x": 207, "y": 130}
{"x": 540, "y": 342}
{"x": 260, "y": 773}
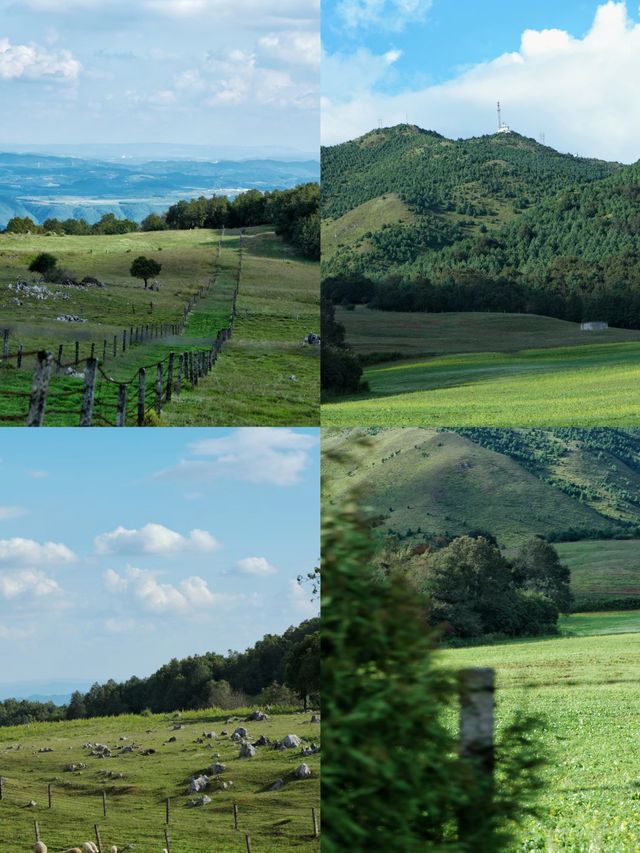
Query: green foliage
{"x": 145, "y": 268}
{"x": 302, "y": 668}
{"x": 340, "y": 368}
{"x": 43, "y": 263}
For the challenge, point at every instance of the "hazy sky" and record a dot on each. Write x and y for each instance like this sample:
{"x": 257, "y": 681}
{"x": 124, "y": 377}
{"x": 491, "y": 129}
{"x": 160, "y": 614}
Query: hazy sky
{"x": 186, "y": 71}
{"x": 566, "y": 70}
{"x": 116, "y": 556}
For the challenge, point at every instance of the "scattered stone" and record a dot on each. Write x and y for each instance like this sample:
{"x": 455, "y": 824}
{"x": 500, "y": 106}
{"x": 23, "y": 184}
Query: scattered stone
{"x": 302, "y": 771}
{"x": 173, "y": 739}
{"x": 277, "y": 785}
{"x": 313, "y": 339}
{"x": 197, "y": 784}
{"x": 70, "y": 318}
{"x": 224, "y": 733}
{"x": 291, "y": 742}
{"x": 199, "y": 801}
{"x": 293, "y": 378}
{"x": 315, "y": 718}
{"x": 74, "y": 768}
{"x": 45, "y": 749}
{"x": 263, "y": 741}
{"x": 148, "y": 752}
{"x": 241, "y": 731}
{"x": 247, "y": 751}
{"x": 257, "y": 716}
{"x": 218, "y": 768}
{"x": 90, "y": 281}
{"x": 209, "y": 735}
{"x": 310, "y": 750}
{"x": 32, "y": 804}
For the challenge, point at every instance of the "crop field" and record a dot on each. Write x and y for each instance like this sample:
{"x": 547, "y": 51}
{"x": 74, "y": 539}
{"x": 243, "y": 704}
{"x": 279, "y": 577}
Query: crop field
{"x": 602, "y": 569}
{"x": 591, "y": 384}
{"x": 587, "y": 690}
{"x": 136, "y": 800}
{"x": 265, "y": 375}
{"x": 190, "y": 261}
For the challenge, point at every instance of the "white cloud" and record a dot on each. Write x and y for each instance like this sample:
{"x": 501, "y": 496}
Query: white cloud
{"x": 28, "y": 552}
{"x": 299, "y": 600}
{"x": 29, "y": 582}
{"x": 394, "y": 15}
{"x": 580, "y": 91}
{"x": 154, "y": 539}
{"x": 256, "y": 455}
{"x": 189, "y": 596}
{"x": 7, "y": 633}
{"x": 291, "y": 48}
{"x": 32, "y": 62}
{"x": 259, "y": 566}
{"x": 120, "y": 626}
{"x": 7, "y": 512}
{"x": 345, "y": 77}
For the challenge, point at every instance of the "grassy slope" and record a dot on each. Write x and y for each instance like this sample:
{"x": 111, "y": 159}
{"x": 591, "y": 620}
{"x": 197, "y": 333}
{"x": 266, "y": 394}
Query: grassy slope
{"x": 415, "y": 334}
{"x": 443, "y": 482}
{"x": 587, "y": 690}
{"x": 591, "y": 385}
{"x": 609, "y": 569}
{"x": 278, "y": 305}
{"x": 276, "y": 820}
{"x": 371, "y": 216}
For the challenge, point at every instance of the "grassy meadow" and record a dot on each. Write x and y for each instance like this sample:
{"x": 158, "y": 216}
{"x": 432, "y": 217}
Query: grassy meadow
{"x": 586, "y": 689}
{"x": 276, "y": 820}
{"x": 602, "y": 569}
{"x": 273, "y": 277}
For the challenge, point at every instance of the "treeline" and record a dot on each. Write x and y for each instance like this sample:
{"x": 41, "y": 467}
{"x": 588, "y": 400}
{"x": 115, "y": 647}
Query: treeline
{"x": 278, "y": 670}
{"x": 294, "y": 213}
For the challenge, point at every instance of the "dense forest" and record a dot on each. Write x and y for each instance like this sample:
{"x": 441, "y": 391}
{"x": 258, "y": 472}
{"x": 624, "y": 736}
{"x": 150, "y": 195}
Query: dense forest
{"x": 277, "y": 670}
{"x": 294, "y": 213}
{"x": 498, "y": 223}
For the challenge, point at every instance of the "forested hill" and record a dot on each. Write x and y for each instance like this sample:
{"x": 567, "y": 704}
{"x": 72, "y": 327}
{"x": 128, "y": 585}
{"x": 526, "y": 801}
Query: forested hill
{"x": 526, "y": 227}
{"x": 562, "y": 484}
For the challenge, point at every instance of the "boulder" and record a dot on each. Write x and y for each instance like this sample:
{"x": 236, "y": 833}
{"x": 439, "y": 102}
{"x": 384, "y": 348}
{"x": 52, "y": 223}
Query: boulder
{"x": 199, "y": 801}
{"x": 199, "y": 783}
{"x": 257, "y": 716}
{"x": 247, "y": 751}
{"x": 277, "y": 785}
{"x": 291, "y": 741}
{"x": 263, "y": 741}
{"x": 218, "y": 768}
{"x": 241, "y": 731}
{"x": 302, "y": 771}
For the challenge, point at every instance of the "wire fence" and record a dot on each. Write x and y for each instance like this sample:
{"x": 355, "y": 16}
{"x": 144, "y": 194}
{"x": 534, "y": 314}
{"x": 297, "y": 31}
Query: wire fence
{"x": 103, "y": 400}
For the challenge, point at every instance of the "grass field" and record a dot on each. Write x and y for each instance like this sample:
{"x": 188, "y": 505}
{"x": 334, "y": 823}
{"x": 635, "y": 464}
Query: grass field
{"x": 276, "y": 820}
{"x": 608, "y": 569}
{"x": 587, "y": 689}
{"x": 274, "y": 275}
{"x": 591, "y": 385}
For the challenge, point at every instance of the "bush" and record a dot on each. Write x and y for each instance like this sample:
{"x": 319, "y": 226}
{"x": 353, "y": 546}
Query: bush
{"x": 44, "y": 263}
{"x": 341, "y": 371}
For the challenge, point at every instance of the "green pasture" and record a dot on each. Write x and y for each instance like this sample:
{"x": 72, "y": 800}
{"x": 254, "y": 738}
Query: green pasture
{"x": 593, "y": 385}
{"x": 136, "y": 810}
{"x": 421, "y": 334}
{"x": 265, "y": 375}
{"x": 602, "y": 569}
{"x": 586, "y": 689}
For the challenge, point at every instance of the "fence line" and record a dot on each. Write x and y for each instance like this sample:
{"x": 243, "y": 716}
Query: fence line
{"x": 187, "y": 366}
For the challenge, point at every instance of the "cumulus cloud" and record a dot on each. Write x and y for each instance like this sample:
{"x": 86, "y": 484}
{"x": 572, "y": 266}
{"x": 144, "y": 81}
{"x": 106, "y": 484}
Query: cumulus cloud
{"x": 580, "y": 91}
{"x": 27, "y": 582}
{"x": 21, "y": 552}
{"x": 345, "y": 76}
{"x": 259, "y": 566}
{"x": 8, "y": 512}
{"x": 394, "y": 15}
{"x": 32, "y": 62}
{"x": 189, "y": 596}
{"x": 291, "y": 48}
{"x": 256, "y": 455}
{"x": 154, "y": 539}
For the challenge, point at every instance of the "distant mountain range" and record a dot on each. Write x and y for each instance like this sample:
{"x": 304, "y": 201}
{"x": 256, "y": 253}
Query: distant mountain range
{"x": 58, "y": 692}
{"x": 45, "y": 185}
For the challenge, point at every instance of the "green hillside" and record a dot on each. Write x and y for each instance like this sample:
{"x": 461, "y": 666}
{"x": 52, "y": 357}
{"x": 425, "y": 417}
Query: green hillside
{"x": 137, "y": 785}
{"x": 602, "y": 570}
{"x": 423, "y": 481}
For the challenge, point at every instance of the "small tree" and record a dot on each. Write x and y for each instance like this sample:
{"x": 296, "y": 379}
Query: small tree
{"x": 302, "y": 671}
{"x": 44, "y": 263}
{"x": 145, "y": 268}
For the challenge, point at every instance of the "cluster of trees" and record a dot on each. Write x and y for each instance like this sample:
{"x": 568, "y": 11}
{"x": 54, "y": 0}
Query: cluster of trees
{"x": 476, "y": 591}
{"x": 278, "y": 669}
{"x": 294, "y": 213}
{"x": 341, "y": 371}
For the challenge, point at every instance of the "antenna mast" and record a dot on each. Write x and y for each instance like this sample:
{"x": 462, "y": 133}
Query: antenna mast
{"x": 499, "y": 117}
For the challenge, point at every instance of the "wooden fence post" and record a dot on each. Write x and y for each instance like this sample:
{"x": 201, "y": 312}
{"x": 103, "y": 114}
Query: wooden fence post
{"x": 235, "y": 815}
{"x": 172, "y": 357}
{"x": 60, "y": 351}
{"x": 179, "y": 379}
{"x": 98, "y": 839}
{"x": 104, "y": 351}
{"x": 20, "y": 351}
{"x": 168, "y": 840}
{"x": 5, "y": 344}
{"x": 121, "y": 413}
{"x": 104, "y": 803}
{"x": 1, "y": 788}
{"x": 142, "y": 374}
{"x": 124, "y": 341}
{"x": 77, "y": 352}
{"x": 168, "y": 811}
{"x": 93, "y": 351}
{"x": 247, "y": 838}
{"x": 314, "y": 820}
{"x": 36, "y": 827}
{"x": 49, "y": 793}
{"x": 90, "y": 377}
{"x": 115, "y": 346}
{"x": 476, "y": 748}
{"x": 40, "y": 389}
{"x": 159, "y": 385}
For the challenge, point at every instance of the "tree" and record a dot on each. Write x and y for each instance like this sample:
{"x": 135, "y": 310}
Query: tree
{"x": 76, "y": 709}
{"x": 537, "y": 567}
{"x": 302, "y": 670}
{"x": 145, "y": 268}
{"x": 44, "y": 263}
{"x": 153, "y": 222}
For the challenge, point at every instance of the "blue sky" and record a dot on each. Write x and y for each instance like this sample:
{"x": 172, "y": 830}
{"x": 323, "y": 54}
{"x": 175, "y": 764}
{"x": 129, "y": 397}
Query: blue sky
{"x": 116, "y": 556}
{"x": 566, "y": 70}
{"x": 181, "y": 71}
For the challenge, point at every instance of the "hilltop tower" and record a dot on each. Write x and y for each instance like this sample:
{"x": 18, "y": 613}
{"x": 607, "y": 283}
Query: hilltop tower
{"x": 502, "y": 127}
